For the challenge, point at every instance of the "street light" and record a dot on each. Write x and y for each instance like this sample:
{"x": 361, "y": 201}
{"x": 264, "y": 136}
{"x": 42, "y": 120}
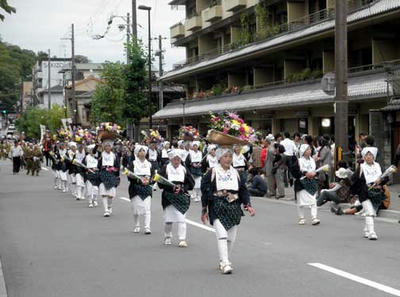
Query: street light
{"x": 144, "y": 7}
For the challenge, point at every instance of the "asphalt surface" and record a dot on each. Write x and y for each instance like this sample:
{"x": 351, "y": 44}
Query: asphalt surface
{"x": 52, "y": 245}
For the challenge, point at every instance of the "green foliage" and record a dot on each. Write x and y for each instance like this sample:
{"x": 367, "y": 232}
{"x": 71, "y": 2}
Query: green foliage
{"x": 108, "y": 97}
{"x": 134, "y": 75}
{"x": 306, "y": 74}
{"x": 218, "y": 88}
{"x": 81, "y": 59}
{"x": 33, "y": 117}
{"x": 245, "y": 32}
{"x": 15, "y": 66}
{"x": 265, "y": 26}
{"x": 7, "y": 8}
{"x": 122, "y": 95}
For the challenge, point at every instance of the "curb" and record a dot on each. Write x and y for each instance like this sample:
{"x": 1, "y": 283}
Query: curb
{"x": 3, "y": 289}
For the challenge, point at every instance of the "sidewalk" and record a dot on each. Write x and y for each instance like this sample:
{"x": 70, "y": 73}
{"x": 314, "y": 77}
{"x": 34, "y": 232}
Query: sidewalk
{"x": 392, "y": 213}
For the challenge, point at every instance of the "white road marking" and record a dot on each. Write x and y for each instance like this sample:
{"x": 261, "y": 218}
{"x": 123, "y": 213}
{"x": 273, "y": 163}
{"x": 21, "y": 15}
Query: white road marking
{"x": 193, "y": 223}
{"x": 357, "y": 279}
{"x": 45, "y": 169}
{"x": 190, "y": 222}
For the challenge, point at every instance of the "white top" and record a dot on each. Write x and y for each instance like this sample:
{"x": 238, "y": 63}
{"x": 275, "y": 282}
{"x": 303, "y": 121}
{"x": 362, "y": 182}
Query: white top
{"x": 290, "y": 147}
{"x": 195, "y": 157}
{"x": 164, "y": 154}
{"x": 371, "y": 172}
{"x": 16, "y": 151}
{"x": 176, "y": 174}
{"x": 153, "y": 155}
{"x": 80, "y": 156}
{"x": 71, "y": 154}
{"x": 91, "y": 162}
{"x": 107, "y": 159}
{"x": 238, "y": 160}
{"x": 226, "y": 179}
{"x": 307, "y": 164}
{"x": 212, "y": 161}
{"x": 142, "y": 168}
{"x": 62, "y": 152}
{"x": 184, "y": 153}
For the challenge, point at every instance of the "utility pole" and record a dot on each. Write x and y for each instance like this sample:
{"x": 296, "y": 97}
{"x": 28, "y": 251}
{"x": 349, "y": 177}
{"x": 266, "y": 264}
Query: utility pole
{"x": 134, "y": 20}
{"x": 160, "y": 71}
{"x": 49, "y": 81}
{"x": 73, "y": 73}
{"x": 341, "y": 102}
{"x": 128, "y": 33}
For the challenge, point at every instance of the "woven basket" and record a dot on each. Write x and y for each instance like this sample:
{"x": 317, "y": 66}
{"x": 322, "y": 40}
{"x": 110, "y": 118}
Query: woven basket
{"x": 220, "y": 138}
{"x": 105, "y": 134}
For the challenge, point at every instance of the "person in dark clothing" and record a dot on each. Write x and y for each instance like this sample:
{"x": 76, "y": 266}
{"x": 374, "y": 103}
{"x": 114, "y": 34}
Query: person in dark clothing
{"x": 257, "y": 186}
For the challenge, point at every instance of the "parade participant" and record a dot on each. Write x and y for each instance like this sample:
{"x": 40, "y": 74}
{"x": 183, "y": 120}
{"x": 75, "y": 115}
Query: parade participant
{"x": 211, "y": 159}
{"x": 28, "y": 158}
{"x": 54, "y": 168}
{"x": 223, "y": 193}
{"x": 140, "y": 190}
{"x": 175, "y": 199}
{"x": 47, "y": 146}
{"x": 306, "y": 185}
{"x": 71, "y": 167}
{"x": 16, "y": 154}
{"x": 193, "y": 163}
{"x": 109, "y": 176}
{"x": 152, "y": 155}
{"x": 62, "y": 166}
{"x": 238, "y": 160}
{"x": 164, "y": 153}
{"x": 367, "y": 184}
{"x": 80, "y": 173}
{"x": 37, "y": 159}
{"x": 92, "y": 176}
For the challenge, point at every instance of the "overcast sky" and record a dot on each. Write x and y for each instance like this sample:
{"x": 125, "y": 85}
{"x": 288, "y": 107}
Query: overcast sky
{"x": 40, "y": 25}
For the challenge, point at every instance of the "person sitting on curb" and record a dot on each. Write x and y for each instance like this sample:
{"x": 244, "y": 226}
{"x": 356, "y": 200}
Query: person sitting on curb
{"x": 257, "y": 186}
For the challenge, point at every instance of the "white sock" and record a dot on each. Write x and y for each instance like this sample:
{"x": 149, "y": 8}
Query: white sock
{"x": 182, "y": 231}
{"x": 168, "y": 230}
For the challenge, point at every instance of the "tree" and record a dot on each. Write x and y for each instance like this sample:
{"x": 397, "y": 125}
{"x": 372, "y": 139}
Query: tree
{"x": 108, "y": 97}
{"x": 15, "y": 66}
{"x": 81, "y": 59}
{"x": 135, "y": 83}
{"x": 32, "y": 118}
{"x": 7, "y": 8}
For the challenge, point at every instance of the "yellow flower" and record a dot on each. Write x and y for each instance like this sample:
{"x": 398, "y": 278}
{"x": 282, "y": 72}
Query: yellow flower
{"x": 125, "y": 171}
{"x": 156, "y": 177}
{"x": 246, "y": 128}
{"x": 235, "y": 122}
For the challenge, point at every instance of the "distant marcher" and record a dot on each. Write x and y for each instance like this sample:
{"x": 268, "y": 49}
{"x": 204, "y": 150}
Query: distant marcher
{"x": 16, "y": 154}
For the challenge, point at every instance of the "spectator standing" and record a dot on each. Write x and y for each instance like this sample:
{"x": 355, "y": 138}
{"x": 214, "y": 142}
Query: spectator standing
{"x": 16, "y": 154}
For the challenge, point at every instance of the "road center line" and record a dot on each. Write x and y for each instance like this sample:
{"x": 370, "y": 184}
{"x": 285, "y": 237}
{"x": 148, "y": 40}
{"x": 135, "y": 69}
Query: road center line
{"x": 190, "y": 222}
{"x": 357, "y": 279}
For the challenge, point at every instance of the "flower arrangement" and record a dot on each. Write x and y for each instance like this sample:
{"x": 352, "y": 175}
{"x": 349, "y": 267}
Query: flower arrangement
{"x": 232, "y": 124}
{"x": 108, "y": 126}
{"x": 152, "y": 135}
{"x": 188, "y": 133}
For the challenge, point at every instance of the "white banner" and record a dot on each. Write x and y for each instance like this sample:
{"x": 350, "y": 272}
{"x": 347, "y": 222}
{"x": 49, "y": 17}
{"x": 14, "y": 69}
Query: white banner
{"x": 42, "y": 132}
{"x": 66, "y": 123}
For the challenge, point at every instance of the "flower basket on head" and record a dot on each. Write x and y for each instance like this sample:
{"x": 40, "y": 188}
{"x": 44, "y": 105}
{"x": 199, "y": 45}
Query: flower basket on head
{"x": 152, "y": 136}
{"x": 222, "y": 139}
{"x": 108, "y": 131}
{"x": 230, "y": 129}
{"x": 188, "y": 133}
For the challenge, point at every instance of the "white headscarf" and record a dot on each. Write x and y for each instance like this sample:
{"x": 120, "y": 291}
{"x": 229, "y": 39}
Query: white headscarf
{"x": 140, "y": 147}
{"x": 303, "y": 149}
{"x": 211, "y": 147}
{"x": 369, "y": 149}
{"x": 72, "y": 144}
{"x": 108, "y": 142}
{"x": 195, "y": 143}
{"x": 222, "y": 151}
{"x": 174, "y": 153}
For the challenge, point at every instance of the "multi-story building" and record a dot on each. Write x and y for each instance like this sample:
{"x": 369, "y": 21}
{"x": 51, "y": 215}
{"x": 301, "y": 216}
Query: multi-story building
{"x": 265, "y": 59}
{"x": 40, "y": 82}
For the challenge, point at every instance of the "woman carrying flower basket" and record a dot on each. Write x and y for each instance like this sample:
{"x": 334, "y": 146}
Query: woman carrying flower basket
{"x": 140, "y": 189}
{"x": 193, "y": 163}
{"x": 108, "y": 175}
{"x": 223, "y": 193}
{"x": 175, "y": 181}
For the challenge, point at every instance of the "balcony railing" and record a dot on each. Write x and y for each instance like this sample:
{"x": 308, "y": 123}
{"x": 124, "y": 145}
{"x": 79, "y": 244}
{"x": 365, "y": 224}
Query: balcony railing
{"x": 234, "y": 5}
{"x": 212, "y": 13}
{"x": 193, "y": 23}
{"x": 298, "y": 24}
{"x": 177, "y": 30}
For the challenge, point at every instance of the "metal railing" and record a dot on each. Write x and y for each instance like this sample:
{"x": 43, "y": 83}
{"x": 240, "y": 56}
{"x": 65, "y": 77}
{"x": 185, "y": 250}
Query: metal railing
{"x": 295, "y": 25}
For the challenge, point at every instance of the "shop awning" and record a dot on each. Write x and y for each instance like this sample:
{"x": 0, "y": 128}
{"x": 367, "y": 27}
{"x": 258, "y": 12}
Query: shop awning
{"x": 306, "y": 94}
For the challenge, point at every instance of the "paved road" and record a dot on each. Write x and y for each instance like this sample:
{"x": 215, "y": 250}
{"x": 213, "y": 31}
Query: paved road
{"x": 52, "y": 245}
